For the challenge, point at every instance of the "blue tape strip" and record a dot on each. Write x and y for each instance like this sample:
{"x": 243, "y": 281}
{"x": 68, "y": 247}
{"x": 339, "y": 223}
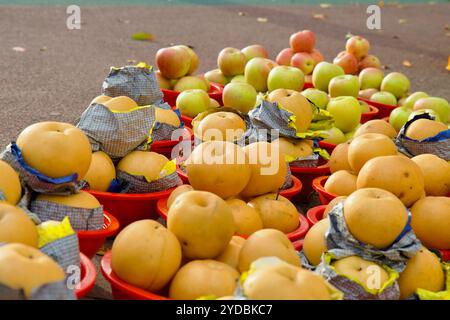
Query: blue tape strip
{"x": 18, "y": 155}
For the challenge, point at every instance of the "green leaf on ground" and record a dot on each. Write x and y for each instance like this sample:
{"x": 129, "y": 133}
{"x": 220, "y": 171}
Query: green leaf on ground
{"x": 143, "y": 36}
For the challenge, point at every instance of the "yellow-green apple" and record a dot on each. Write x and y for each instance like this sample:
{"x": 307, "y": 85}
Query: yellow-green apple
{"x": 323, "y": 73}
{"x": 335, "y": 136}
{"x": 317, "y": 56}
{"x": 369, "y": 275}
{"x": 384, "y": 97}
{"x": 369, "y": 61}
{"x": 173, "y": 62}
{"x": 401, "y": 102}
{"x": 303, "y": 61}
{"x": 195, "y": 61}
{"x": 253, "y": 51}
{"x": 231, "y": 62}
{"x": 319, "y": 98}
{"x": 190, "y": 82}
{"x": 346, "y": 112}
{"x": 303, "y": 41}
{"x": 439, "y": 105}
{"x": 357, "y": 46}
{"x": 240, "y": 96}
{"x": 213, "y": 103}
{"x": 192, "y": 102}
{"x": 285, "y": 77}
{"x": 296, "y": 103}
{"x": 367, "y": 93}
{"x": 257, "y": 71}
{"x": 345, "y": 85}
{"x": 370, "y": 78}
{"x": 27, "y": 268}
{"x": 413, "y": 97}
{"x": 56, "y": 149}
{"x": 276, "y": 212}
{"x": 398, "y": 117}
{"x": 364, "y": 106}
{"x": 396, "y": 83}
{"x": 349, "y": 135}
{"x": 346, "y": 61}
{"x": 163, "y": 82}
{"x": 216, "y": 76}
{"x": 284, "y": 57}
{"x": 10, "y": 186}
{"x": 238, "y": 78}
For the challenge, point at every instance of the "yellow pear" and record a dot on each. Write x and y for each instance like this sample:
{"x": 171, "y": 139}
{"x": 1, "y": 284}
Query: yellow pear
{"x": 246, "y": 218}
{"x": 315, "y": 244}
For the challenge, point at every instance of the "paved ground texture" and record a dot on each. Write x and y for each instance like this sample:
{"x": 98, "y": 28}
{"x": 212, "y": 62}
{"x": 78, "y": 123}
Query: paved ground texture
{"x": 61, "y": 70}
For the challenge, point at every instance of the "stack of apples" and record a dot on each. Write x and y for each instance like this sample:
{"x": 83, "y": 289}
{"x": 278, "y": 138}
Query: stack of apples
{"x": 356, "y": 56}
{"x": 302, "y": 53}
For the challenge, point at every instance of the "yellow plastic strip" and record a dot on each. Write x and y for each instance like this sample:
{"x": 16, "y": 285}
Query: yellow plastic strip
{"x": 54, "y": 230}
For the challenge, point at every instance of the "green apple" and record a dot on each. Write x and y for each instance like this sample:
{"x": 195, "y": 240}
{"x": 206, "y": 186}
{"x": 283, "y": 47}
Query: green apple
{"x": 191, "y": 82}
{"x": 284, "y": 77}
{"x": 439, "y": 105}
{"x": 349, "y": 135}
{"x": 370, "y": 78}
{"x": 192, "y": 102}
{"x": 346, "y": 112}
{"x": 216, "y": 76}
{"x": 398, "y": 117}
{"x": 323, "y": 73}
{"x": 335, "y": 136}
{"x": 384, "y": 97}
{"x": 319, "y": 98}
{"x": 231, "y": 61}
{"x": 434, "y": 115}
{"x": 344, "y": 85}
{"x": 238, "y": 78}
{"x": 396, "y": 83}
{"x": 411, "y": 99}
{"x": 257, "y": 71}
{"x": 364, "y": 107}
{"x": 240, "y": 96}
{"x": 253, "y": 51}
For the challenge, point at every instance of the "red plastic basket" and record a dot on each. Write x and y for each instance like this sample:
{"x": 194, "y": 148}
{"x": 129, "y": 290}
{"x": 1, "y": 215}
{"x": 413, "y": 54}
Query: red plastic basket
{"x": 308, "y": 85}
{"x": 187, "y": 121}
{"x": 318, "y": 184}
{"x": 298, "y": 233}
{"x": 307, "y": 175}
{"x": 88, "y": 277}
{"x": 327, "y": 146}
{"x": 315, "y": 214}
{"x": 165, "y": 147}
{"x": 384, "y": 109}
{"x": 445, "y": 254}
{"x": 128, "y": 208}
{"x": 215, "y": 92}
{"x": 298, "y": 245}
{"x": 367, "y": 116}
{"x": 122, "y": 290}
{"x": 91, "y": 241}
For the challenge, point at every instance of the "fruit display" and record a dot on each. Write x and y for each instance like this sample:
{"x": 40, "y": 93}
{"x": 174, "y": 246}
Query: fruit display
{"x": 297, "y": 179}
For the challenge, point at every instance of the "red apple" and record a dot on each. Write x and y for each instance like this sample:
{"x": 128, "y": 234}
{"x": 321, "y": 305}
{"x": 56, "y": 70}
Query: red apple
{"x": 253, "y": 51}
{"x": 358, "y": 46}
{"x": 317, "y": 56}
{"x": 370, "y": 61}
{"x": 304, "y": 62}
{"x": 173, "y": 62}
{"x": 303, "y": 41}
{"x": 284, "y": 57}
{"x": 347, "y": 61}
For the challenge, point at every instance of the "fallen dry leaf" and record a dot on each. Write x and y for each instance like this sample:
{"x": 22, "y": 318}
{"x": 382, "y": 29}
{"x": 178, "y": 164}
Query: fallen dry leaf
{"x": 447, "y": 27}
{"x": 43, "y": 49}
{"x": 402, "y": 21}
{"x": 143, "y": 36}
{"x": 407, "y": 63}
{"x": 319, "y": 16}
{"x": 325, "y": 5}
{"x": 261, "y": 19}
{"x": 241, "y": 14}
{"x": 19, "y": 49}
{"x": 448, "y": 63}
{"x": 385, "y": 67}
{"x": 381, "y": 3}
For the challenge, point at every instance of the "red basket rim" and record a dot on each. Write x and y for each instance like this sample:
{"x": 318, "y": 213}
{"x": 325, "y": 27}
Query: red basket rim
{"x": 117, "y": 283}
{"x": 319, "y": 185}
{"x": 322, "y": 169}
{"x": 131, "y": 196}
{"x": 294, "y": 189}
{"x": 298, "y": 244}
{"x": 214, "y": 89}
{"x": 89, "y": 276}
{"x": 299, "y": 232}
{"x": 110, "y": 226}
{"x": 187, "y": 135}
{"x": 445, "y": 254}
{"x": 315, "y": 214}
{"x": 325, "y": 144}
{"x": 373, "y": 111}
{"x": 378, "y": 104}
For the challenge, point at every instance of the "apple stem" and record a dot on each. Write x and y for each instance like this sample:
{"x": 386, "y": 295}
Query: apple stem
{"x": 278, "y": 193}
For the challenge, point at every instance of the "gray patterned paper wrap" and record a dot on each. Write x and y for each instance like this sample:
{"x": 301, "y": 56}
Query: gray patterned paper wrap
{"x": 65, "y": 251}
